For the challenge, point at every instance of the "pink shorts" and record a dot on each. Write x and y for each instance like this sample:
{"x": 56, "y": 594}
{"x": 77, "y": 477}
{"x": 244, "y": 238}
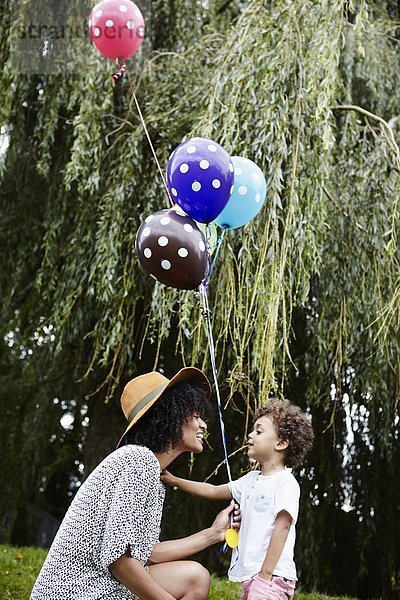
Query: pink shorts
{"x": 257, "y": 588}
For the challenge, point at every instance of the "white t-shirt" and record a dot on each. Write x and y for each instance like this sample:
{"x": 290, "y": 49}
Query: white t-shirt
{"x": 261, "y": 498}
{"x": 118, "y": 506}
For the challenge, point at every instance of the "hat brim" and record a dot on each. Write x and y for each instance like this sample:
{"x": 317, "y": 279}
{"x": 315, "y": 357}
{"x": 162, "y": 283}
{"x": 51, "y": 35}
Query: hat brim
{"x": 191, "y": 374}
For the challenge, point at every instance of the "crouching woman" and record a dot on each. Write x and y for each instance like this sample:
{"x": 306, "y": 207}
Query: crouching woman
{"x": 108, "y": 544}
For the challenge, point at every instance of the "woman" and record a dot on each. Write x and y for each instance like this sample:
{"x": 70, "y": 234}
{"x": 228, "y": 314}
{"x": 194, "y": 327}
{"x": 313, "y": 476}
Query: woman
{"x": 107, "y": 546}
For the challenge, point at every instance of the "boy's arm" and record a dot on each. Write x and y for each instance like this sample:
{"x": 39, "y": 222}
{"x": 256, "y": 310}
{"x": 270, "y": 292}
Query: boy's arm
{"x": 197, "y": 488}
{"x": 278, "y": 538}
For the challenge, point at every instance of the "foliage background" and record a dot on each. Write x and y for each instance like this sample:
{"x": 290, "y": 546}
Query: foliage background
{"x": 305, "y": 299}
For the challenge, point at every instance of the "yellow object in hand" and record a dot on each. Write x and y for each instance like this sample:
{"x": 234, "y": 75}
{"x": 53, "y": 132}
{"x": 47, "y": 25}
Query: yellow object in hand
{"x": 231, "y": 538}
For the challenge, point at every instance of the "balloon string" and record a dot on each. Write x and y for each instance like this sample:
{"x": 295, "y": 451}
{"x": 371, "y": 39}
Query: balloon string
{"x": 220, "y": 239}
{"x": 207, "y": 322}
{"x": 146, "y": 132}
{"x": 205, "y": 311}
{"x": 208, "y": 254}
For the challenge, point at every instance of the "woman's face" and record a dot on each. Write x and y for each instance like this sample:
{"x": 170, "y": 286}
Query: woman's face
{"x": 193, "y": 434}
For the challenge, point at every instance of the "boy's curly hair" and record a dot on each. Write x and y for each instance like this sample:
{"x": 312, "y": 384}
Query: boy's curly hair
{"x": 290, "y": 424}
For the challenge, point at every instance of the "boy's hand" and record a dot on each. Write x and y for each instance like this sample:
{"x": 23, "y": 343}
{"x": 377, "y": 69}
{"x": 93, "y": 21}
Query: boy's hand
{"x": 260, "y": 588}
{"x": 167, "y": 478}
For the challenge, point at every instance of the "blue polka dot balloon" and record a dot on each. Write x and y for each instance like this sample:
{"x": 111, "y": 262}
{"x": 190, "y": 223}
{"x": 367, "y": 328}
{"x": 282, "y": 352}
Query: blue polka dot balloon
{"x": 248, "y": 196}
{"x": 200, "y": 178}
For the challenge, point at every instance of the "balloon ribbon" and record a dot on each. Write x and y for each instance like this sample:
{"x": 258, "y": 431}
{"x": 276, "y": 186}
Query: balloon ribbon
{"x": 231, "y": 538}
{"x": 205, "y": 311}
{"x": 121, "y": 70}
{"x": 218, "y": 244}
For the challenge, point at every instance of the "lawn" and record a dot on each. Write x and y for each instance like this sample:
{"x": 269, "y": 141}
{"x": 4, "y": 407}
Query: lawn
{"x": 20, "y": 566}
{"x": 18, "y": 570}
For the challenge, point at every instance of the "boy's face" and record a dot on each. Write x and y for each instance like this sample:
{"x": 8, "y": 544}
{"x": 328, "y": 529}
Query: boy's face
{"x": 263, "y": 441}
{"x": 193, "y": 434}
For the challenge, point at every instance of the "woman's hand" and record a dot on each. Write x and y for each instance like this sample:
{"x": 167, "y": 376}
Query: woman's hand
{"x": 167, "y": 478}
{"x": 237, "y": 517}
{"x": 222, "y": 521}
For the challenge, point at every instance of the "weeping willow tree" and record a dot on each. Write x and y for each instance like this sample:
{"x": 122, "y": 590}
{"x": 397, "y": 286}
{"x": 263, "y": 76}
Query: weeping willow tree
{"x": 305, "y": 299}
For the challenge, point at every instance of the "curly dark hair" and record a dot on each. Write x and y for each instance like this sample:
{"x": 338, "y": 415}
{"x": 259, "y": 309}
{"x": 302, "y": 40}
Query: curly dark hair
{"x": 160, "y": 428}
{"x": 290, "y": 424}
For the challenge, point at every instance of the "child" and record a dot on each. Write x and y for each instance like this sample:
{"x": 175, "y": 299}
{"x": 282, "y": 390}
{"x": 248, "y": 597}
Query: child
{"x": 269, "y": 501}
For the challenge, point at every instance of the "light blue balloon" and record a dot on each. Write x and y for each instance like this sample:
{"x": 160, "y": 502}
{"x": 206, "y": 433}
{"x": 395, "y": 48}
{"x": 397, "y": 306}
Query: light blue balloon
{"x": 248, "y": 195}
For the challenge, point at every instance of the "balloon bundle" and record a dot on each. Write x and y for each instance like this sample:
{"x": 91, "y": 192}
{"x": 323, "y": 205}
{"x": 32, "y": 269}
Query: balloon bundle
{"x": 209, "y": 188}
{"x": 205, "y": 186}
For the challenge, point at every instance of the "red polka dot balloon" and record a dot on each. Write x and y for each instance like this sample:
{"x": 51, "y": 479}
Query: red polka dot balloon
{"x": 172, "y": 249}
{"x": 116, "y": 28}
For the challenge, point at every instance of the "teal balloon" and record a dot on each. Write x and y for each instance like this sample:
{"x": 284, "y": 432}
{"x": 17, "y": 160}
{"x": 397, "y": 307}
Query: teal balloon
{"x": 248, "y": 195}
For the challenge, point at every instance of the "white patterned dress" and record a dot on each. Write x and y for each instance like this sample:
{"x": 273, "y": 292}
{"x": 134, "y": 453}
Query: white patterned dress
{"x": 119, "y": 506}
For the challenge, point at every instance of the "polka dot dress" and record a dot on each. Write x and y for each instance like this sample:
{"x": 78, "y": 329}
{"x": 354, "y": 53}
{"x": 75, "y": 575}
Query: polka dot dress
{"x": 118, "y": 506}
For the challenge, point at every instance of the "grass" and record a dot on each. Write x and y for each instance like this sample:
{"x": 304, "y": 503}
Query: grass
{"x": 19, "y": 568}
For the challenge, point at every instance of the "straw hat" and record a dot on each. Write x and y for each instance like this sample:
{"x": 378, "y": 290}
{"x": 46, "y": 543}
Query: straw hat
{"x": 143, "y": 391}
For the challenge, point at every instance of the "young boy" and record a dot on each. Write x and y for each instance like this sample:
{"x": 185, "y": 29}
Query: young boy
{"x": 269, "y": 501}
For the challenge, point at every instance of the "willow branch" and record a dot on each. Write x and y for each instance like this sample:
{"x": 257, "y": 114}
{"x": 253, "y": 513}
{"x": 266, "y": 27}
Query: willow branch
{"x": 388, "y": 128}
{"x": 224, "y": 6}
{"x": 215, "y": 471}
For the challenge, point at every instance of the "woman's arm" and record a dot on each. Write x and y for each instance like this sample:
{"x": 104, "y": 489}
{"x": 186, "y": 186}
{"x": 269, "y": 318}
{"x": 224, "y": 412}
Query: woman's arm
{"x": 184, "y": 547}
{"x": 197, "y": 488}
{"x": 134, "y": 576}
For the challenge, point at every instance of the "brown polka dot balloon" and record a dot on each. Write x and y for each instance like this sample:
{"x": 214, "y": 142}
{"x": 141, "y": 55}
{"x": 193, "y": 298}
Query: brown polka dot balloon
{"x": 171, "y": 247}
